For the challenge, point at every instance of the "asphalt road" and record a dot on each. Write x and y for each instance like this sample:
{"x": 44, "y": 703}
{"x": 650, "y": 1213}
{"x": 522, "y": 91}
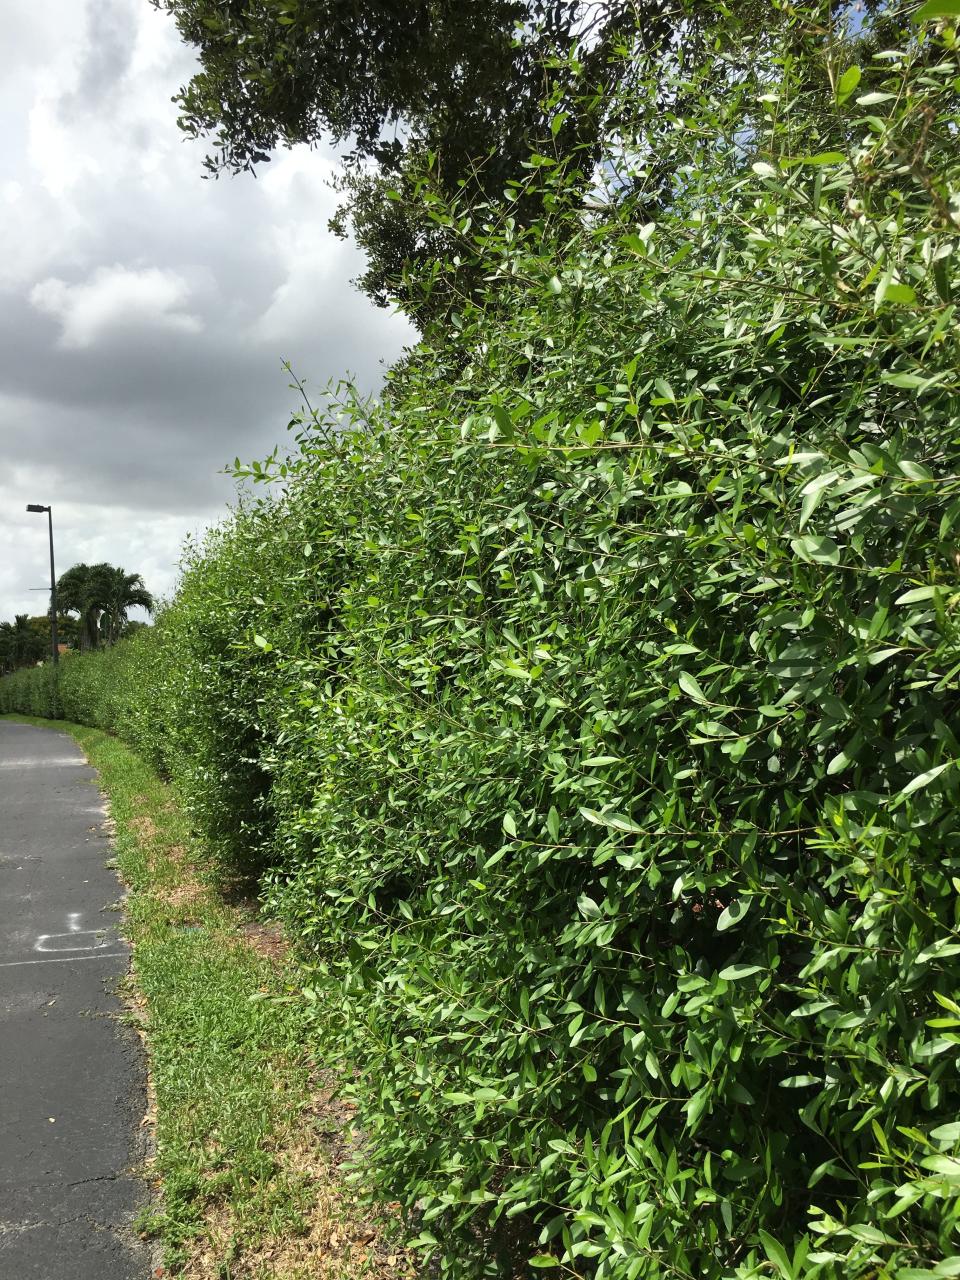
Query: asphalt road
{"x": 72, "y": 1090}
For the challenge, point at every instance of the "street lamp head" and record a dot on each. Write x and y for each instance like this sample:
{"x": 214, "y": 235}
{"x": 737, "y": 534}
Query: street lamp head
{"x": 34, "y": 506}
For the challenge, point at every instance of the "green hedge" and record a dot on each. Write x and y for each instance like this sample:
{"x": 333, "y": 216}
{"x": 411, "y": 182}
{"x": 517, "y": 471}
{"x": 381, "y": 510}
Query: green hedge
{"x": 591, "y": 701}
{"x": 31, "y": 691}
{"x": 112, "y": 689}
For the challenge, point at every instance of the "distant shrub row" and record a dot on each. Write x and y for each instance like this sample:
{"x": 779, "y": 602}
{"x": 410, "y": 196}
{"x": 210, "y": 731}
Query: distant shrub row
{"x": 107, "y": 688}
{"x": 590, "y": 704}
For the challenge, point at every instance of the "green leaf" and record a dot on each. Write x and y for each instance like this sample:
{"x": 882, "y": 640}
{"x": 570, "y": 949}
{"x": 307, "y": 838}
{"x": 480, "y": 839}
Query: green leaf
{"x": 914, "y": 470}
{"x": 696, "y": 1105}
{"x": 509, "y": 824}
{"x": 813, "y": 493}
{"x": 690, "y": 687}
{"x": 937, "y": 950}
{"x": 881, "y": 655}
{"x": 818, "y": 550}
{"x": 819, "y": 159}
{"x": 553, "y": 823}
{"x": 937, "y": 9}
{"x": 777, "y": 1254}
{"x": 503, "y": 420}
{"x": 544, "y": 1260}
{"x": 734, "y": 972}
{"x": 909, "y": 381}
{"x": 924, "y": 779}
{"x": 588, "y": 908}
{"x": 837, "y": 764}
{"x": 915, "y": 594}
{"x": 848, "y": 82}
{"x": 870, "y": 1234}
{"x": 615, "y": 821}
{"x": 799, "y": 459}
{"x": 733, "y": 914}
{"x": 901, "y": 294}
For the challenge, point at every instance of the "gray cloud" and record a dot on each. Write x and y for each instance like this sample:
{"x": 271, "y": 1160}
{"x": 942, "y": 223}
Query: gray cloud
{"x": 110, "y": 40}
{"x": 146, "y": 312}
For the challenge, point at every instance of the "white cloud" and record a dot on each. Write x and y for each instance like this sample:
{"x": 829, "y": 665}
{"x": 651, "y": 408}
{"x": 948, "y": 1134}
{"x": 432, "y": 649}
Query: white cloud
{"x": 116, "y": 298}
{"x": 57, "y": 161}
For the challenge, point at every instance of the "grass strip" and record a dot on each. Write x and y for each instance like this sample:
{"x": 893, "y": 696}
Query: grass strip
{"x": 226, "y": 1043}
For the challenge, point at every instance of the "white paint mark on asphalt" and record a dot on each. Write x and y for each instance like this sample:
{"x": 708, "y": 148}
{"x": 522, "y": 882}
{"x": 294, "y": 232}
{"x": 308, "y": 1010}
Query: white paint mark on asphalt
{"x": 94, "y": 940}
{"x": 73, "y": 921}
{"x": 107, "y": 955}
{"x": 36, "y": 762}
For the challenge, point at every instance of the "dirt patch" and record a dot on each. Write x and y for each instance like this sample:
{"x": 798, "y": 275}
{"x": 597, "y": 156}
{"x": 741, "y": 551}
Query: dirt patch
{"x": 339, "y": 1240}
{"x": 266, "y": 939}
{"x": 182, "y": 895}
{"x": 144, "y": 827}
{"x": 187, "y": 888}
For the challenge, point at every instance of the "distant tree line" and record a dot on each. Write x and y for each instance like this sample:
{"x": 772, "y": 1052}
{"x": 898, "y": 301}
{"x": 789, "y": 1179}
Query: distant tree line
{"x": 93, "y": 601}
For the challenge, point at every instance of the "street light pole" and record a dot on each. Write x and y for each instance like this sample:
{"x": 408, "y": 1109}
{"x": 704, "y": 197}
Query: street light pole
{"x": 33, "y": 506}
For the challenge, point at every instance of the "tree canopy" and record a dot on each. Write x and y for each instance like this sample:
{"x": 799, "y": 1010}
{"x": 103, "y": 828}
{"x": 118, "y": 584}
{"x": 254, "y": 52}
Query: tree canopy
{"x": 475, "y": 85}
{"x": 23, "y": 642}
{"x": 457, "y": 95}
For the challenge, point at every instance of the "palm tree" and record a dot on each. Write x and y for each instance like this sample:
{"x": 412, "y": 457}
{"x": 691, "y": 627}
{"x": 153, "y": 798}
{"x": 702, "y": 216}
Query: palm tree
{"x": 124, "y": 591}
{"x": 101, "y": 595}
{"x": 77, "y": 592}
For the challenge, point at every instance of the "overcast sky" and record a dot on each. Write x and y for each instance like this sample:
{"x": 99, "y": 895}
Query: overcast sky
{"x": 145, "y": 311}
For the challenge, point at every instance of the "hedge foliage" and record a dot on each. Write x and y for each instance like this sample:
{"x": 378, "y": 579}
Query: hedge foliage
{"x": 109, "y": 688}
{"x": 590, "y": 701}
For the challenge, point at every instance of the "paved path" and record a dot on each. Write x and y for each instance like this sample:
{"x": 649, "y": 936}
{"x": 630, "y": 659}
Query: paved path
{"x": 71, "y": 1077}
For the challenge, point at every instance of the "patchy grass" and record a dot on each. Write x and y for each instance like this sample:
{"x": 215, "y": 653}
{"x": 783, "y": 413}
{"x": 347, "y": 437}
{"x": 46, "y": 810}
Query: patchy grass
{"x": 250, "y": 1136}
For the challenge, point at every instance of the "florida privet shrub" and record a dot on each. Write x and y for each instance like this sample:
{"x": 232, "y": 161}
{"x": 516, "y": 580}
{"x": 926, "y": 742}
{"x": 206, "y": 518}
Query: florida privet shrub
{"x": 212, "y": 728}
{"x": 112, "y": 689}
{"x": 611, "y": 690}
{"x": 593, "y": 698}
{"x": 31, "y": 691}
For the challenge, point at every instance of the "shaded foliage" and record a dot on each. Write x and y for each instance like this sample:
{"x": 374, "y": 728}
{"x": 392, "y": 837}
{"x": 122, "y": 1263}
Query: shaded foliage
{"x": 22, "y": 642}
